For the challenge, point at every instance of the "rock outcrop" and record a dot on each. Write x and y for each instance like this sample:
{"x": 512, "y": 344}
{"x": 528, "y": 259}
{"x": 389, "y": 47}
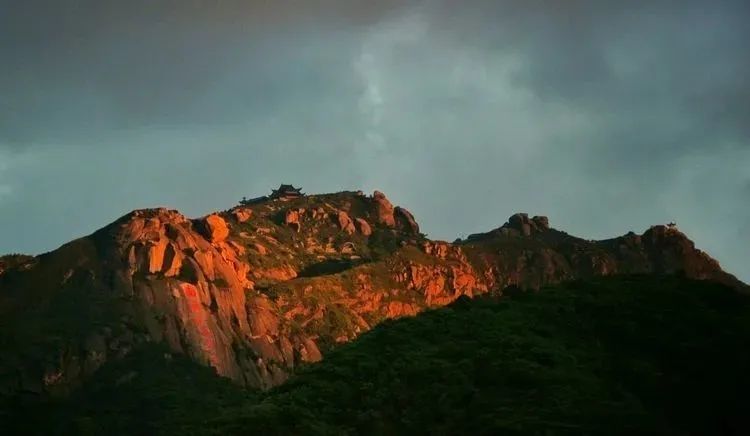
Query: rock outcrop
{"x": 293, "y": 219}
{"x": 242, "y": 214}
{"x": 346, "y": 223}
{"x": 526, "y": 226}
{"x": 257, "y": 290}
{"x": 406, "y": 220}
{"x": 363, "y": 226}
{"x": 215, "y": 228}
{"x": 383, "y": 210}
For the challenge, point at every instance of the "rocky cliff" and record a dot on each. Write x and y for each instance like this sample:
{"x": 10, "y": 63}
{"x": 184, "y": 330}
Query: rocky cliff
{"x": 258, "y": 289}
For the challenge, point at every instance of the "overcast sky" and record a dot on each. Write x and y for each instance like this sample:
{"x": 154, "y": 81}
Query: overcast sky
{"x": 607, "y": 116}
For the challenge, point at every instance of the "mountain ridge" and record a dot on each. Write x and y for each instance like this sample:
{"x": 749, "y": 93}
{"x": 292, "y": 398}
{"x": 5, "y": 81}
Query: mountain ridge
{"x": 256, "y": 290}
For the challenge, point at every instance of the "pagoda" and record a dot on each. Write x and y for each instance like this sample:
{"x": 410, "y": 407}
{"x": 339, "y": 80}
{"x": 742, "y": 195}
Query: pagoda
{"x": 287, "y": 192}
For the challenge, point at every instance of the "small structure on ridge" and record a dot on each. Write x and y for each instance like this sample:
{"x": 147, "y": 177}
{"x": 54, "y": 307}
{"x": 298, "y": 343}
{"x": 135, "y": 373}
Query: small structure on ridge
{"x": 287, "y": 191}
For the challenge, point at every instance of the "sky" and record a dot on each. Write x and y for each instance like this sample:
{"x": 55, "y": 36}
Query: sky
{"x": 607, "y": 116}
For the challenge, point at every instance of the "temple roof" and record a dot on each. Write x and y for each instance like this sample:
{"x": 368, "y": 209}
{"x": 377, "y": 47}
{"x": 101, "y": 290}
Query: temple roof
{"x": 287, "y": 190}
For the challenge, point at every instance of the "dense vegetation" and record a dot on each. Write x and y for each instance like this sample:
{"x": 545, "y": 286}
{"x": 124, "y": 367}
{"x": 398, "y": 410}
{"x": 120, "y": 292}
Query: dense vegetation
{"x": 633, "y": 355}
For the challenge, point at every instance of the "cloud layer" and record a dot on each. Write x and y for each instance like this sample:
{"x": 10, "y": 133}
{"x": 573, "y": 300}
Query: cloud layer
{"x": 608, "y": 117}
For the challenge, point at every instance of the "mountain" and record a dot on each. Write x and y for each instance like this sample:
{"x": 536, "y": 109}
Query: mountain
{"x": 256, "y": 291}
{"x": 619, "y": 355}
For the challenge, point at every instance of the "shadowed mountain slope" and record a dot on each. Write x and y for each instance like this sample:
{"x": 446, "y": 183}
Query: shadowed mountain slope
{"x": 619, "y": 355}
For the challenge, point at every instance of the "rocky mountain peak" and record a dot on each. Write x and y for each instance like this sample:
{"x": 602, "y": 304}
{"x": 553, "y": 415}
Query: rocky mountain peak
{"x": 256, "y": 290}
{"x": 527, "y": 226}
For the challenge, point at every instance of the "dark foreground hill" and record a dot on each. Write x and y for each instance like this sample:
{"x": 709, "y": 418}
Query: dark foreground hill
{"x": 622, "y": 355}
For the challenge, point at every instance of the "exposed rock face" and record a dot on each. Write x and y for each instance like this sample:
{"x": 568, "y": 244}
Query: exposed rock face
{"x": 383, "y": 209}
{"x": 526, "y": 226}
{"x": 260, "y": 249}
{"x": 214, "y": 228}
{"x": 242, "y": 214}
{"x": 255, "y": 298}
{"x": 542, "y": 223}
{"x": 346, "y": 223}
{"x": 406, "y": 220}
{"x": 319, "y": 214}
{"x": 363, "y": 226}
{"x": 438, "y": 249}
{"x": 518, "y": 224}
{"x": 443, "y": 283}
{"x": 293, "y": 219}
{"x": 203, "y": 290}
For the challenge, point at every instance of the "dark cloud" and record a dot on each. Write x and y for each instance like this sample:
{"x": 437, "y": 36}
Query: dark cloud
{"x": 94, "y": 66}
{"x": 608, "y": 116}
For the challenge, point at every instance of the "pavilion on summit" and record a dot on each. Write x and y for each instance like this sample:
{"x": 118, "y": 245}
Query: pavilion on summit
{"x": 287, "y": 191}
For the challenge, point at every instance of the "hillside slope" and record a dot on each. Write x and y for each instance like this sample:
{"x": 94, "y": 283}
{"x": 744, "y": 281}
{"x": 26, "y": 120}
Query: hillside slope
{"x": 257, "y": 290}
{"x": 623, "y": 355}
